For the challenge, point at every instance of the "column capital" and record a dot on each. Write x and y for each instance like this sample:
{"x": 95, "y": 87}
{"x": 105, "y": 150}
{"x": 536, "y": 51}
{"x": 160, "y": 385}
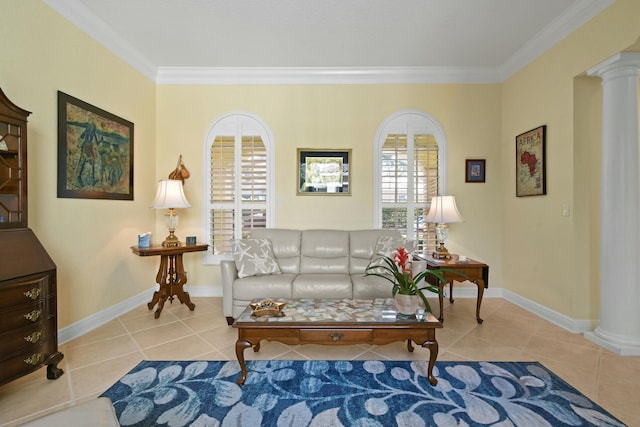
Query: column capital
{"x": 628, "y": 61}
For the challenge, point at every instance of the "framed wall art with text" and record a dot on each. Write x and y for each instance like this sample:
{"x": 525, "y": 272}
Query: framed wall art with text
{"x": 531, "y": 163}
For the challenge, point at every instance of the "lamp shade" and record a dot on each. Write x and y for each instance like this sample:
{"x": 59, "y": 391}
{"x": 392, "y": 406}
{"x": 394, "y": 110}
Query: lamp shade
{"x": 443, "y": 210}
{"x": 170, "y": 195}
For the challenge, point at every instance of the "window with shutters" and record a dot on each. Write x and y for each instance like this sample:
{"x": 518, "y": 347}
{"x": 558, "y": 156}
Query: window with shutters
{"x": 410, "y": 150}
{"x": 239, "y": 188}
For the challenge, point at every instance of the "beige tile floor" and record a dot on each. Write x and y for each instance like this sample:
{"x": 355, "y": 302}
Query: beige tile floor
{"x": 96, "y": 360}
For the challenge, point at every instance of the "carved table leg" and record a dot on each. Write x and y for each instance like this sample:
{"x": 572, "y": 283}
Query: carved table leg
{"x": 480, "y": 284}
{"x": 240, "y": 347}
{"x": 180, "y": 281}
{"x": 161, "y": 280}
{"x": 440, "y": 300}
{"x": 451, "y": 292}
{"x": 432, "y": 345}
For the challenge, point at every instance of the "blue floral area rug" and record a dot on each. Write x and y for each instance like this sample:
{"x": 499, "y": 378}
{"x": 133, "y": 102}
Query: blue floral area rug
{"x": 350, "y": 393}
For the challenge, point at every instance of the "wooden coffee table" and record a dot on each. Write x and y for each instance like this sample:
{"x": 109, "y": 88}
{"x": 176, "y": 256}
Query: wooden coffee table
{"x": 336, "y": 322}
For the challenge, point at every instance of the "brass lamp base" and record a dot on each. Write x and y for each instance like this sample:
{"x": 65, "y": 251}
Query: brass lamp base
{"x": 171, "y": 241}
{"x": 441, "y": 252}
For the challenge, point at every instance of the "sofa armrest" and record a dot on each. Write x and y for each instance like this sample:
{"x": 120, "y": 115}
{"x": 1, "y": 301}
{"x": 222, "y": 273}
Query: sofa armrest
{"x": 229, "y": 274}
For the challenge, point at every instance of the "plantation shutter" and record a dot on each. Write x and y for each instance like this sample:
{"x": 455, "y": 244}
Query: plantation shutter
{"x": 253, "y": 184}
{"x": 409, "y": 178}
{"x": 222, "y": 196}
{"x": 238, "y": 190}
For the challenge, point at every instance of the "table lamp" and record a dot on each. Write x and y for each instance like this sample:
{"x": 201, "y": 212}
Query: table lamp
{"x": 170, "y": 195}
{"x": 443, "y": 210}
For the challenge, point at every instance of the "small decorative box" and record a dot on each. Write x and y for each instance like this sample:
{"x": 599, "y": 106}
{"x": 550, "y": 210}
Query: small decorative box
{"x": 144, "y": 240}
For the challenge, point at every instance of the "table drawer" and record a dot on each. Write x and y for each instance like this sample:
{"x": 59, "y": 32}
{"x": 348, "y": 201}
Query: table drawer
{"x": 328, "y": 336}
{"x": 23, "y": 316}
{"x": 26, "y": 339}
{"x": 25, "y": 362}
{"x": 23, "y": 292}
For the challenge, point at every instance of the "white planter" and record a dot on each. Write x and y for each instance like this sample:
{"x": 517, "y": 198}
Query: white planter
{"x": 407, "y": 304}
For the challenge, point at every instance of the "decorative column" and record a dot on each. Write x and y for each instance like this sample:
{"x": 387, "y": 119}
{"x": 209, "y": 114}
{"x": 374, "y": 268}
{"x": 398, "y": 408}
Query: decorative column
{"x": 619, "y": 327}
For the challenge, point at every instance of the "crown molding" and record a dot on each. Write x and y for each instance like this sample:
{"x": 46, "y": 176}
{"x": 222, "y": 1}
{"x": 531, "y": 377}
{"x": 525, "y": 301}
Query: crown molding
{"x": 572, "y": 18}
{"x": 579, "y": 13}
{"x": 326, "y": 75}
{"x": 84, "y": 19}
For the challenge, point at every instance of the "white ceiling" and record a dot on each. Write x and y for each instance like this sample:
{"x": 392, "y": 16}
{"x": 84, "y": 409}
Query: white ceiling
{"x": 488, "y": 38}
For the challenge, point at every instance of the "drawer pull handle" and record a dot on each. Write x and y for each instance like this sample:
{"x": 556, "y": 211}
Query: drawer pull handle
{"x": 34, "y": 337}
{"x": 33, "y": 293}
{"x": 336, "y": 336}
{"x": 34, "y": 359}
{"x": 33, "y": 316}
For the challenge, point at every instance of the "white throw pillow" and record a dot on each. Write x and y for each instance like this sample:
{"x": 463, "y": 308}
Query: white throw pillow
{"x": 385, "y": 247}
{"x": 254, "y": 257}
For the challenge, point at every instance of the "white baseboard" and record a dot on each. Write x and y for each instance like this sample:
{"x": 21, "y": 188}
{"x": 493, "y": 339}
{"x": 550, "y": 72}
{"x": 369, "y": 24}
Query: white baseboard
{"x": 576, "y": 326}
{"x": 89, "y": 323}
{"x": 472, "y": 292}
{"x": 204, "y": 291}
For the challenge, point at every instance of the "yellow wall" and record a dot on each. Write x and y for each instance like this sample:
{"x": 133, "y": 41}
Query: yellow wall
{"x": 89, "y": 240}
{"x": 549, "y": 258}
{"x": 533, "y": 251}
{"x": 340, "y": 116}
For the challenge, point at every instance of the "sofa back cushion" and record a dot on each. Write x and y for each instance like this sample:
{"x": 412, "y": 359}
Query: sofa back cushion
{"x": 362, "y": 247}
{"x": 285, "y": 245}
{"x": 325, "y": 251}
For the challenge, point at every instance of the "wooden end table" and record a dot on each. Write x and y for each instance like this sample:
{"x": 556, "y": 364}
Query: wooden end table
{"x": 171, "y": 276}
{"x": 474, "y": 271}
{"x": 335, "y": 322}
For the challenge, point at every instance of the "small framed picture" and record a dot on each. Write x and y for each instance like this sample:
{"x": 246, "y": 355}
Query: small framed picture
{"x": 475, "y": 170}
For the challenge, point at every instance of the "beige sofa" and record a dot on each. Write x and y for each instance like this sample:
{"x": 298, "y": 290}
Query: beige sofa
{"x": 313, "y": 264}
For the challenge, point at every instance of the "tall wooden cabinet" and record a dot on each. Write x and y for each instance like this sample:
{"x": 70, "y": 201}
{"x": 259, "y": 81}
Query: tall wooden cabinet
{"x": 28, "y": 301}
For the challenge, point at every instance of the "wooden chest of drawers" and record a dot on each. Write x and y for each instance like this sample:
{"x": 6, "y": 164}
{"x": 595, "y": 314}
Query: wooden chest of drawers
{"x": 28, "y": 307}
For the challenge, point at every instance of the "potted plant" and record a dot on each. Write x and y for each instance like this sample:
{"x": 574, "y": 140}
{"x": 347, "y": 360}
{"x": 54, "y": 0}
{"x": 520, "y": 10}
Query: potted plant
{"x": 406, "y": 291}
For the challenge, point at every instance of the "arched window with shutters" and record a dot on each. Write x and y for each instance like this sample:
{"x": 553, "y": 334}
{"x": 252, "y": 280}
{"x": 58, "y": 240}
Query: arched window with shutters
{"x": 409, "y": 161}
{"x": 239, "y": 181}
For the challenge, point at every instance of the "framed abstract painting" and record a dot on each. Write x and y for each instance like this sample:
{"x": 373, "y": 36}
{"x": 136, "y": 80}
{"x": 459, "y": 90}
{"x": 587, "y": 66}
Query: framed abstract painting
{"x": 95, "y": 152}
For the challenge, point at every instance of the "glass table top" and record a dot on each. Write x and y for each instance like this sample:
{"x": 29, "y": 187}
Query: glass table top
{"x": 333, "y": 311}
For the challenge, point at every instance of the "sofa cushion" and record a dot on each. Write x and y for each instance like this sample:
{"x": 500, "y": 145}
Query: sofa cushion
{"x": 267, "y": 286}
{"x": 254, "y": 257}
{"x": 286, "y": 247}
{"x": 385, "y": 247}
{"x": 362, "y": 245}
{"x": 370, "y": 287}
{"x": 324, "y": 251}
{"x": 324, "y": 285}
